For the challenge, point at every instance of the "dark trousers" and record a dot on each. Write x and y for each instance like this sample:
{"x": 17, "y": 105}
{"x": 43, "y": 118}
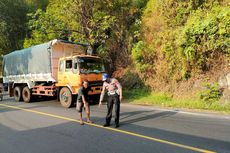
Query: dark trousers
{"x": 113, "y": 99}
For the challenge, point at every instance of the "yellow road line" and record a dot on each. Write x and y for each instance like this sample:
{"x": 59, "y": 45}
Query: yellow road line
{"x": 113, "y": 129}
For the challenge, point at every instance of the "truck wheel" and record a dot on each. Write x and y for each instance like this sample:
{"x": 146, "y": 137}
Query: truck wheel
{"x": 65, "y": 97}
{"x": 18, "y": 93}
{"x": 26, "y": 94}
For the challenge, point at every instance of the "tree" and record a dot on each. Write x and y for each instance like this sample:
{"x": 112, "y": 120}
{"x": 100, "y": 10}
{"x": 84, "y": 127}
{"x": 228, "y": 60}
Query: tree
{"x": 181, "y": 39}
{"x": 108, "y": 26}
{"x": 12, "y": 24}
{"x": 77, "y": 20}
{"x": 13, "y": 20}
{"x": 33, "y": 5}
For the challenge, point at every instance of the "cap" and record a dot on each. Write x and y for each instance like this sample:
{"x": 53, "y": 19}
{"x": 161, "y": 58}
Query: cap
{"x": 104, "y": 76}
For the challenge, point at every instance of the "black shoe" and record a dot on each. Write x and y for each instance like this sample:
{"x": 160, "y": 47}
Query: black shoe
{"x": 105, "y": 125}
{"x": 117, "y": 126}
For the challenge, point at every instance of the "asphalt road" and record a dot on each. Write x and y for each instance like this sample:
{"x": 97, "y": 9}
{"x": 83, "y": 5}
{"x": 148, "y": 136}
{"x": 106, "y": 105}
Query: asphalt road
{"x": 46, "y": 127}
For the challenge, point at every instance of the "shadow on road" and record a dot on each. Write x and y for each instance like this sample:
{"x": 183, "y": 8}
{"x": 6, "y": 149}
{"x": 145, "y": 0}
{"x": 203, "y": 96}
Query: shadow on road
{"x": 144, "y": 116}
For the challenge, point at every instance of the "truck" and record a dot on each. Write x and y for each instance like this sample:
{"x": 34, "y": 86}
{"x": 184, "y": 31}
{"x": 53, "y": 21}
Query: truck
{"x": 53, "y": 69}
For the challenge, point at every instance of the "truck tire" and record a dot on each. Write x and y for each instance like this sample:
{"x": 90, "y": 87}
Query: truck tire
{"x": 18, "y": 93}
{"x": 26, "y": 94}
{"x": 65, "y": 97}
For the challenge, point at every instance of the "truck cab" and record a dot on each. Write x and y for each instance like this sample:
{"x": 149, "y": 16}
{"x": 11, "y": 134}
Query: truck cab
{"x": 73, "y": 70}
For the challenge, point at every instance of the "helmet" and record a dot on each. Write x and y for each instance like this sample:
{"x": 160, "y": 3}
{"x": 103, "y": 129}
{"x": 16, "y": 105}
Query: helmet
{"x": 104, "y": 76}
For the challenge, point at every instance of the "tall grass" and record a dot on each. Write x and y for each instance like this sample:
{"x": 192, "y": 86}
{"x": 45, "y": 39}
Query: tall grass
{"x": 145, "y": 97}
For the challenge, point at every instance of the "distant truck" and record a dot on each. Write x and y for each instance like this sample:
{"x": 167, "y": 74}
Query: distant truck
{"x": 54, "y": 69}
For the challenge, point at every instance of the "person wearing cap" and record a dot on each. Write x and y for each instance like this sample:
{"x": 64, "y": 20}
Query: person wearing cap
{"x": 114, "y": 90}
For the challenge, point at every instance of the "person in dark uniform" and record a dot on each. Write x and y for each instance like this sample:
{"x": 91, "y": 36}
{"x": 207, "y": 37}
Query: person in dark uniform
{"x": 114, "y": 98}
{"x": 82, "y": 101}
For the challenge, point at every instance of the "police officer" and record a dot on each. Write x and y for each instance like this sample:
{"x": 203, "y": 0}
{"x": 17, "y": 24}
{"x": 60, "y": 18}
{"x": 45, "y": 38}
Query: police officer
{"x": 114, "y": 98}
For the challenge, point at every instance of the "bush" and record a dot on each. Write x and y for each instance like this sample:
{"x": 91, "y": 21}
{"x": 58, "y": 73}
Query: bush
{"x": 205, "y": 35}
{"x": 211, "y": 93}
{"x": 140, "y": 53}
{"x": 181, "y": 39}
{"x": 131, "y": 80}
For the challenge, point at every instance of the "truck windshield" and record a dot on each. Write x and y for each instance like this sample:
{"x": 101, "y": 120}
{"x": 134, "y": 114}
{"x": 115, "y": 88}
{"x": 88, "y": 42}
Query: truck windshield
{"x": 90, "y": 65}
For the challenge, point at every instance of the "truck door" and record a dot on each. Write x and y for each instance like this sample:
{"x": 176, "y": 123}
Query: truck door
{"x": 61, "y": 73}
{"x": 65, "y": 73}
{"x": 70, "y": 75}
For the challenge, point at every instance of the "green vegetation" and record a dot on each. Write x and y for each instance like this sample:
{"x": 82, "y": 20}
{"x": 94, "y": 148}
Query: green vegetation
{"x": 211, "y": 93}
{"x": 108, "y": 26}
{"x": 205, "y": 35}
{"x": 181, "y": 39}
{"x": 143, "y": 97}
{"x": 13, "y": 20}
{"x": 153, "y": 46}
